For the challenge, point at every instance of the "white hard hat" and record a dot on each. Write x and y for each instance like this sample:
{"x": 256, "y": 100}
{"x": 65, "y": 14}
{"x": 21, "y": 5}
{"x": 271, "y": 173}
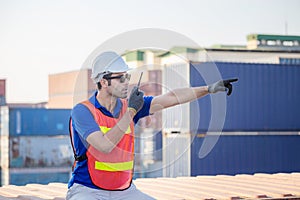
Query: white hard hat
{"x": 107, "y": 62}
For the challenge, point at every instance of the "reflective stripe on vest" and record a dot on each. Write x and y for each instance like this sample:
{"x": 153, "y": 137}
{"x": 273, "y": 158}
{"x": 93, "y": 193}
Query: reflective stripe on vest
{"x": 105, "y": 129}
{"x": 114, "y": 167}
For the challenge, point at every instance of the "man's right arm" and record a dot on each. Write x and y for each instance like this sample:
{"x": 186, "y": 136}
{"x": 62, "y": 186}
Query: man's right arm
{"x": 107, "y": 142}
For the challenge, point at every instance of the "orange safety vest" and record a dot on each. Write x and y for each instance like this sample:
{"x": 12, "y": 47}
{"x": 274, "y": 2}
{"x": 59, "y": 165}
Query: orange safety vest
{"x": 114, "y": 170}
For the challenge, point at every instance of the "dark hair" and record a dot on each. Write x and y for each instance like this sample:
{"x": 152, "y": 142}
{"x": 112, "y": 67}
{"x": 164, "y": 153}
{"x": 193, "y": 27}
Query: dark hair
{"x": 99, "y": 86}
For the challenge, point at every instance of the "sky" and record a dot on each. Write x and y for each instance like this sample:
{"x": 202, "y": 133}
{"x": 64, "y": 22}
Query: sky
{"x": 40, "y": 37}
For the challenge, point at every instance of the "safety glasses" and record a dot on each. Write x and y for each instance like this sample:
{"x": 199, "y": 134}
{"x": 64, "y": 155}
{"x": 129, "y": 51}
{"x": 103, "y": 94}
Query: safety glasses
{"x": 122, "y": 78}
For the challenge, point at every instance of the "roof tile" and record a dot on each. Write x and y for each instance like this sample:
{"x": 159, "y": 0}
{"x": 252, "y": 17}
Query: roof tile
{"x": 243, "y": 186}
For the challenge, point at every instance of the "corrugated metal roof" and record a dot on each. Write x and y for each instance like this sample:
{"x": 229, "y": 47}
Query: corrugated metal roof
{"x": 257, "y": 186}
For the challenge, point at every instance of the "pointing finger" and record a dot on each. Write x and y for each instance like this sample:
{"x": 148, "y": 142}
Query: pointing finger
{"x": 229, "y": 86}
{"x": 232, "y": 80}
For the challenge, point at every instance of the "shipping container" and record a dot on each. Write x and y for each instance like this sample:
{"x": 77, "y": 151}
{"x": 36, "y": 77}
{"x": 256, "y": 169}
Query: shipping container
{"x": 246, "y": 154}
{"x": 40, "y": 151}
{"x": 2, "y": 87}
{"x": 38, "y": 121}
{"x": 35, "y": 145}
{"x": 148, "y": 152}
{"x": 255, "y": 130}
{"x": 4, "y": 145}
{"x": 265, "y": 98}
{"x": 2, "y": 100}
{"x": 176, "y": 119}
{"x": 176, "y": 155}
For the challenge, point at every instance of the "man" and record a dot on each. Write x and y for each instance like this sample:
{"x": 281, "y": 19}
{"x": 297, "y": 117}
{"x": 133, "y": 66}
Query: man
{"x": 102, "y": 130}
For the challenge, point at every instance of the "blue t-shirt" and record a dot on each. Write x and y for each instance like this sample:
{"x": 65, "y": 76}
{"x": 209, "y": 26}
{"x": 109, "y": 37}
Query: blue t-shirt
{"x": 83, "y": 125}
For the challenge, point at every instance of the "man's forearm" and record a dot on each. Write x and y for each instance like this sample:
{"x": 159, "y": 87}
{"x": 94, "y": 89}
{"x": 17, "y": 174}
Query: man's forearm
{"x": 184, "y": 95}
{"x": 108, "y": 141}
{"x": 176, "y": 97}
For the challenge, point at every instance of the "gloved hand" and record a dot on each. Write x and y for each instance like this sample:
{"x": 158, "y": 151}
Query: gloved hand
{"x": 136, "y": 99}
{"x": 222, "y": 85}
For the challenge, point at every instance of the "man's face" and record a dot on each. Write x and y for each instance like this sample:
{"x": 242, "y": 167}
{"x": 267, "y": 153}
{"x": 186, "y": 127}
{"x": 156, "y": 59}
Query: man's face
{"x": 119, "y": 85}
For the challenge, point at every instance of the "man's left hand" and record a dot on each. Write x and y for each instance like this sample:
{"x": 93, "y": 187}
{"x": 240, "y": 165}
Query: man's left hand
{"x": 222, "y": 85}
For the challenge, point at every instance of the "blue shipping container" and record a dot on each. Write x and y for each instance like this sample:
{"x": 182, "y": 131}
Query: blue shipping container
{"x": 247, "y": 154}
{"x": 266, "y": 97}
{"x": 38, "y": 121}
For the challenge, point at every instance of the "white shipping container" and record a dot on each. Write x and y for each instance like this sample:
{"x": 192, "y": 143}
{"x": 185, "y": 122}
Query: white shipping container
{"x": 40, "y": 151}
{"x": 176, "y": 118}
{"x": 176, "y": 155}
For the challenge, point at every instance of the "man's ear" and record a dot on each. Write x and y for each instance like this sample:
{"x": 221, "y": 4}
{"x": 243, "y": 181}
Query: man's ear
{"x": 104, "y": 83}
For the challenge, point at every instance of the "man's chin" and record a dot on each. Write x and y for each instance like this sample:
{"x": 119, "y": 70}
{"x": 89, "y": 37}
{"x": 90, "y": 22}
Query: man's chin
{"x": 124, "y": 96}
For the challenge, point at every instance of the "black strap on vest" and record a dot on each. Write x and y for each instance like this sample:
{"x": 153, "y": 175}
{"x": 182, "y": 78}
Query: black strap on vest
{"x": 77, "y": 158}
{"x": 80, "y": 158}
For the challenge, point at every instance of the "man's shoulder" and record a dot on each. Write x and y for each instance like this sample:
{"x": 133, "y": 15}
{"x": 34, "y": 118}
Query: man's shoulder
{"x": 78, "y": 108}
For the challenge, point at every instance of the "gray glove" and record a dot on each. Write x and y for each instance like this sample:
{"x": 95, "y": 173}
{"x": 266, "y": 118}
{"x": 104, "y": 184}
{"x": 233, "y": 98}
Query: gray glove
{"x": 222, "y": 85}
{"x": 136, "y": 99}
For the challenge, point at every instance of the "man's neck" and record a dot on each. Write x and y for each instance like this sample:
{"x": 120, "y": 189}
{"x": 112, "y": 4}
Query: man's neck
{"x": 108, "y": 101}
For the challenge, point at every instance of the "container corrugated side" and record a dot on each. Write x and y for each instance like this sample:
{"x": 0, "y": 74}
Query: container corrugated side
{"x": 37, "y": 121}
{"x": 266, "y": 97}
